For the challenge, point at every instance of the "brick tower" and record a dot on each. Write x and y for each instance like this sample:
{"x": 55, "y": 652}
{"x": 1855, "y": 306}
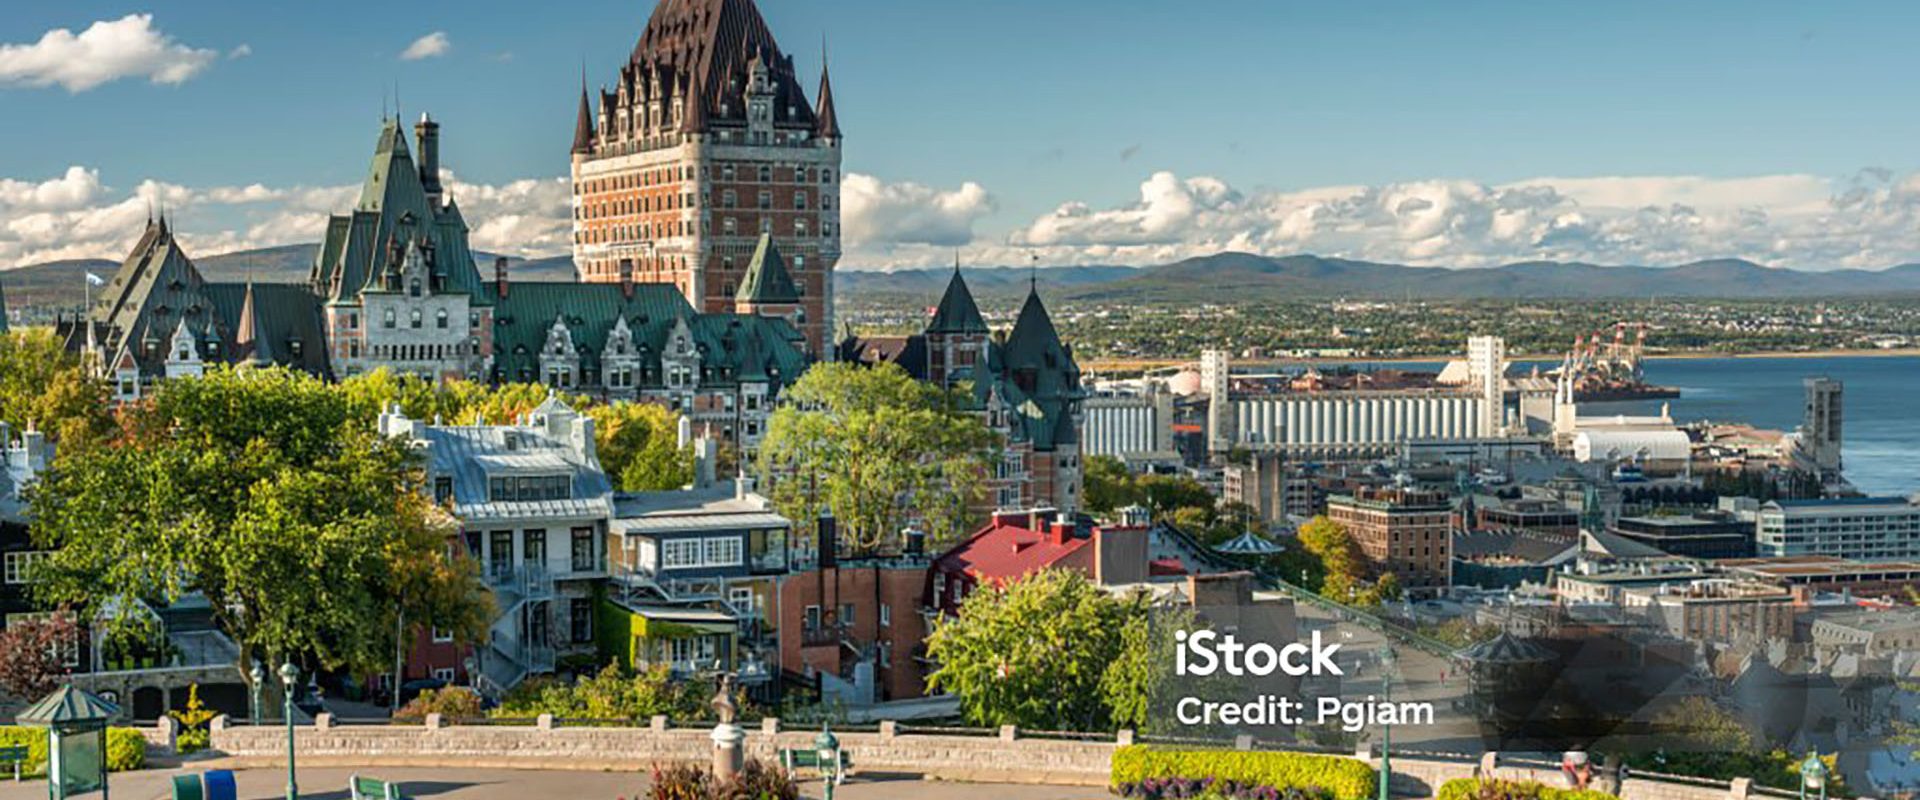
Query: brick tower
{"x": 705, "y": 143}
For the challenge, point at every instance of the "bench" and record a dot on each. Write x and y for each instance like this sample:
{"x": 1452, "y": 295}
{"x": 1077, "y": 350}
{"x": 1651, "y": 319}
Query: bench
{"x": 15, "y": 755}
{"x": 211, "y": 785}
{"x": 373, "y": 789}
{"x": 798, "y": 758}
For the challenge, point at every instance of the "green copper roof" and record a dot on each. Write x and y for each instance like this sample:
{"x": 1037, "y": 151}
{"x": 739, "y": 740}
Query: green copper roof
{"x": 393, "y": 206}
{"x": 957, "y": 313}
{"x": 1043, "y": 376}
{"x": 767, "y": 281}
{"x": 69, "y": 707}
{"x": 146, "y": 299}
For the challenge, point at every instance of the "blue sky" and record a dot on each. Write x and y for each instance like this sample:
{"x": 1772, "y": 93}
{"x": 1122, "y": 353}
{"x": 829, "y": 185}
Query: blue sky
{"x": 1084, "y": 131}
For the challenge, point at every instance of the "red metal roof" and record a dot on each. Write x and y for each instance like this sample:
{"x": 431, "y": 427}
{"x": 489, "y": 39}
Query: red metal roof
{"x": 1004, "y": 551}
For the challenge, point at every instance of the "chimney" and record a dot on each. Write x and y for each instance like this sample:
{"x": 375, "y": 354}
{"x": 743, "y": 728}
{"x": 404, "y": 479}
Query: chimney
{"x": 583, "y": 439}
{"x": 1038, "y": 518}
{"x": 500, "y": 276}
{"x": 427, "y": 136}
{"x": 626, "y": 278}
{"x": 1059, "y": 533}
{"x": 829, "y": 541}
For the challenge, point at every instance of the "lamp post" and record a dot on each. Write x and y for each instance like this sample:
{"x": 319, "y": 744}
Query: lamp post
{"x": 259, "y": 676}
{"x": 827, "y": 747}
{"x": 290, "y": 675}
{"x": 1813, "y": 776}
{"x": 1387, "y": 660}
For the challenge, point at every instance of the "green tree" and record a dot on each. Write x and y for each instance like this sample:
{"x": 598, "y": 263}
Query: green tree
{"x": 639, "y": 445}
{"x": 1109, "y": 485}
{"x": 44, "y": 386}
{"x": 1140, "y": 673}
{"x": 1035, "y": 653}
{"x": 1166, "y": 493}
{"x": 1342, "y": 566}
{"x": 259, "y": 490}
{"x": 878, "y": 449}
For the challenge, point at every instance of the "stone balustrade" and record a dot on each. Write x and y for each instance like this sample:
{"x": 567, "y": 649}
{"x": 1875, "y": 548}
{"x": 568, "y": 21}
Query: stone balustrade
{"x": 1002, "y": 755}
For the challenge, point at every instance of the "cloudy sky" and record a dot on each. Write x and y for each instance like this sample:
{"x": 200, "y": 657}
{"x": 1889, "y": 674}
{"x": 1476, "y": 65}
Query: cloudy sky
{"x": 1075, "y": 131}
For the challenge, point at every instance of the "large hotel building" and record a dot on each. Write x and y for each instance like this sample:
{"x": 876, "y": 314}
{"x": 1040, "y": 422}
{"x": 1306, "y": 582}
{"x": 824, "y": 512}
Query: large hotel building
{"x": 706, "y": 141}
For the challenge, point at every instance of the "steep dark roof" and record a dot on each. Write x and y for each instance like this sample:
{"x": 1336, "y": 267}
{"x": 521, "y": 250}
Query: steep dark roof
{"x": 828, "y": 124}
{"x": 146, "y": 299}
{"x": 706, "y": 47}
{"x": 393, "y": 206}
{"x": 583, "y": 127}
{"x": 1039, "y": 378}
{"x": 957, "y": 313}
{"x": 767, "y": 281}
{"x": 289, "y": 328}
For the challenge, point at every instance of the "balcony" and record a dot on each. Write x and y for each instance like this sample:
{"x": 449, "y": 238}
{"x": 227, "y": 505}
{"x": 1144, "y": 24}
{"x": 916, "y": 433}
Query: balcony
{"x": 821, "y": 635}
{"x": 514, "y": 585}
{"x": 588, "y": 566}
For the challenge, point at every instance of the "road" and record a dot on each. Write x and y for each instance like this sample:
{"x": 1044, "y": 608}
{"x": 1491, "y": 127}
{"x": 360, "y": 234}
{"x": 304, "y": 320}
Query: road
{"x": 329, "y": 783}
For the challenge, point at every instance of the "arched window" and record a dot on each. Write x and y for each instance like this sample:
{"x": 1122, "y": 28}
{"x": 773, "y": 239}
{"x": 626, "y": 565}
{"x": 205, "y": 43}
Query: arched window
{"x": 440, "y": 318}
{"x": 415, "y": 318}
{"x": 388, "y": 321}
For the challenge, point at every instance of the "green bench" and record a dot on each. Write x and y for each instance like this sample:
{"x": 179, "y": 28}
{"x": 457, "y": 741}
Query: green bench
{"x": 373, "y": 789}
{"x": 799, "y": 758}
{"x": 15, "y": 755}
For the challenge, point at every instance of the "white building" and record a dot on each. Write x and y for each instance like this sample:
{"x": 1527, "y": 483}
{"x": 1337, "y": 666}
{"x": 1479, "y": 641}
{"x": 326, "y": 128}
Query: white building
{"x": 1133, "y": 426}
{"x": 1857, "y": 528}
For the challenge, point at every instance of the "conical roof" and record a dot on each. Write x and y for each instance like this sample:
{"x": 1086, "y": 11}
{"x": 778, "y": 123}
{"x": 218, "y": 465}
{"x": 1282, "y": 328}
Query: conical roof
{"x": 767, "y": 281}
{"x": 583, "y": 126}
{"x": 826, "y": 122}
{"x": 1249, "y": 544}
{"x": 68, "y": 707}
{"x": 254, "y": 346}
{"x": 957, "y": 313}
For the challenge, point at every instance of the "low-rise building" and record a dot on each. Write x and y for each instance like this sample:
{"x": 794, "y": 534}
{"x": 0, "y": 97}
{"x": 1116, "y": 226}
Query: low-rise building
{"x": 1872, "y": 633}
{"x": 1704, "y": 534}
{"x": 1401, "y": 530}
{"x": 1864, "y": 528}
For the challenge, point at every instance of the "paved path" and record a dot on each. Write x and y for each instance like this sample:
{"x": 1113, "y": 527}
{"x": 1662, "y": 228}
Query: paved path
{"x": 329, "y": 783}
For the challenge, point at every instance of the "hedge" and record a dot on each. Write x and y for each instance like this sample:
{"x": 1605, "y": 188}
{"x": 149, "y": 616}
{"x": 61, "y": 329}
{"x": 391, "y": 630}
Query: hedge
{"x": 1343, "y": 778}
{"x": 1471, "y": 789}
{"x": 126, "y": 747}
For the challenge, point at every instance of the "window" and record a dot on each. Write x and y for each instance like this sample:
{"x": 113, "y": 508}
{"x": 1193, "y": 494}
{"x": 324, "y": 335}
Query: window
{"x": 440, "y": 319}
{"x": 728, "y": 199}
{"x": 534, "y": 547}
{"x": 580, "y": 618}
{"x": 799, "y": 201}
{"x": 584, "y": 557}
{"x": 679, "y": 553}
{"x": 414, "y": 319}
{"x": 826, "y": 176}
{"x": 386, "y": 319}
{"x": 766, "y": 201}
{"x": 766, "y": 174}
{"x": 20, "y": 565}
{"x": 743, "y": 600}
{"x": 444, "y": 675}
{"x": 723, "y": 551}
{"x": 500, "y": 553}
{"x": 442, "y": 488}
{"x": 886, "y": 615}
{"x": 846, "y": 614}
{"x": 441, "y": 635}
{"x": 811, "y": 619}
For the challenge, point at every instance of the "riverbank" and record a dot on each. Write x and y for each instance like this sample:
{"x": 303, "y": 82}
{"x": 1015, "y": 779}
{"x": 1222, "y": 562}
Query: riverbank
{"x": 1141, "y": 364}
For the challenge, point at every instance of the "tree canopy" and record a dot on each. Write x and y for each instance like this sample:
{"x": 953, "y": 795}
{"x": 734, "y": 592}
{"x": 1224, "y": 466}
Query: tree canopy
{"x": 264, "y": 492}
{"x": 1050, "y": 651}
{"x": 41, "y": 384}
{"x": 879, "y": 450}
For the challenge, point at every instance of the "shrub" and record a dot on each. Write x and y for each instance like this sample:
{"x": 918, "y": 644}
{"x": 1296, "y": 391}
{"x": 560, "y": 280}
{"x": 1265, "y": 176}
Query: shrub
{"x": 1333, "y": 777}
{"x": 757, "y": 781}
{"x": 1476, "y": 789}
{"x": 126, "y": 747}
{"x": 449, "y": 703}
{"x": 1210, "y": 789}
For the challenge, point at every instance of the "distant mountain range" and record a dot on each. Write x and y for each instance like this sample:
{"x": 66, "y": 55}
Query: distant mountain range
{"x": 1239, "y": 277}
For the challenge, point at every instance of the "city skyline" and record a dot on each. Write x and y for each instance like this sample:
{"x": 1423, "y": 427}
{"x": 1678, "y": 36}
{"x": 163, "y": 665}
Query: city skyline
{"x": 1249, "y": 127}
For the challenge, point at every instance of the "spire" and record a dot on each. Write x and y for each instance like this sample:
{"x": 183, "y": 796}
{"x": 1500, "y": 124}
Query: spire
{"x": 252, "y": 344}
{"x": 957, "y": 312}
{"x": 583, "y": 126}
{"x": 695, "y": 120}
{"x": 767, "y": 281}
{"x": 827, "y": 123}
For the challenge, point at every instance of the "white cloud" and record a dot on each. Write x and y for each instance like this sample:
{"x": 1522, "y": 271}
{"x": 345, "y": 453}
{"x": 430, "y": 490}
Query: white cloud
{"x": 428, "y": 46}
{"x": 877, "y": 218}
{"x": 129, "y": 47}
{"x": 242, "y": 51}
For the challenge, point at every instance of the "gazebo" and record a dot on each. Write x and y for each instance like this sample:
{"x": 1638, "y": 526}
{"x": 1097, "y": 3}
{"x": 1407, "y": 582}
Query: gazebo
{"x": 76, "y": 722}
{"x": 1249, "y": 544}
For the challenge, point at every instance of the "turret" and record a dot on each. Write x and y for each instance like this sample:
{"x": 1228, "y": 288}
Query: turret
{"x": 583, "y": 125}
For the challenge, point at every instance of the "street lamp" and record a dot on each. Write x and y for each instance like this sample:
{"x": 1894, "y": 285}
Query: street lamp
{"x": 290, "y": 675}
{"x": 1387, "y": 661}
{"x": 259, "y": 676}
{"x": 827, "y": 747}
{"x": 1813, "y": 776}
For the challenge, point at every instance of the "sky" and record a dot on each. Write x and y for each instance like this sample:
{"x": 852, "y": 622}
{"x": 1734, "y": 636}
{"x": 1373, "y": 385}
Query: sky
{"x": 1459, "y": 134}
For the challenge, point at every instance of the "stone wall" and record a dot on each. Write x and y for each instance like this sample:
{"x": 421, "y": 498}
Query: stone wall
{"x": 1007, "y": 757}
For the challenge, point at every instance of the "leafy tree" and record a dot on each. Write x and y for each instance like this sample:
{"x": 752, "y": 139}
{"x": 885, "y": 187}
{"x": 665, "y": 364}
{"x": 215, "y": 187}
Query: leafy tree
{"x": 877, "y": 448}
{"x": 262, "y": 491}
{"x": 1109, "y": 485}
{"x": 1140, "y": 673}
{"x": 1035, "y": 653}
{"x": 32, "y": 654}
{"x": 1166, "y": 493}
{"x": 639, "y": 446}
{"x": 1342, "y": 565}
{"x": 41, "y": 384}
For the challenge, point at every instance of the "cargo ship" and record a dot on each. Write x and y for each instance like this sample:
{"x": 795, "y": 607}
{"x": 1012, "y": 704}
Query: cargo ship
{"x": 1608, "y": 371}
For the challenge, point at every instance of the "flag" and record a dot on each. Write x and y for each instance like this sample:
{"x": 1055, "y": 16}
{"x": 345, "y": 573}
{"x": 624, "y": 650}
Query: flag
{"x": 95, "y": 280}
